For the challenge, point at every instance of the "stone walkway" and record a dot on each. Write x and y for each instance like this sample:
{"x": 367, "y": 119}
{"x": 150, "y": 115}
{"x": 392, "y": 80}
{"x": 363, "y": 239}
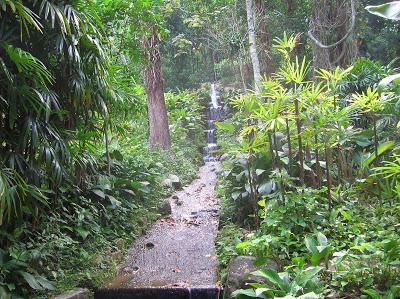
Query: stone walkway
{"x": 179, "y": 250}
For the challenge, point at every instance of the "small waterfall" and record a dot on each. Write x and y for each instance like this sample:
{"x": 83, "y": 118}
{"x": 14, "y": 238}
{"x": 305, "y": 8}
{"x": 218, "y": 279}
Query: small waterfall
{"x": 214, "y": 95}
{"x": 214, "y": 113}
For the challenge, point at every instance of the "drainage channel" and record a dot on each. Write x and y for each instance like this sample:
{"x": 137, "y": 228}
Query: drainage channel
{"x": 212, "y": 292}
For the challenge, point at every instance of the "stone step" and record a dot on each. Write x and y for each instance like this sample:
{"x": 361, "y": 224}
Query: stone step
{"x": 203, "y": 292}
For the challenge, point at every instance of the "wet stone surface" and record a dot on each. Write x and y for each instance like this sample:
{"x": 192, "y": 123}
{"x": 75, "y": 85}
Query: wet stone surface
{"x": 179, "y": 250}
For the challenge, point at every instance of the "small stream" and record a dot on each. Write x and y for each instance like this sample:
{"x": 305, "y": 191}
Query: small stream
{"x": 214, "y": 113}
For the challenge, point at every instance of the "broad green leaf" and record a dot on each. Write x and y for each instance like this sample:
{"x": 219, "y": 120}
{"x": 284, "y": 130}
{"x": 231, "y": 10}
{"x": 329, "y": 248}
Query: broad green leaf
{"x": 260, "y": 171}
{"x": 114, "y": 202}
{"x": 306, "y": 275}
{"x": 381, "y": 149}
{"x": 262, "y": 291}
{"x": 310, "y": 295}
{"x": 82, "y": 232}
{"x": 135, "y": 185}
{"x": 250, "y": 293}
{"x": 99, "y": 193}
{"x": 389, "y": 10}
{"x": 235, "y": 195}
{"x": 299, "y": 261}
{"x": 31, "y": 280}
{"x": 361, "y": 247}
{"x": 46, "y": 284}
{"x": 316, "y": 258}
{"x": 266, "y": 188}
{"x": 386, "y": 81}
{"x": 272, "y": 276}
{"x": 261, "y": 203}
{"x": 225, "y": 126}
{"x": 346, "y": 215}
{"x": 243, "y": 245}
{"x": 372, "y": 293}
{"x": 311, "y": 244}
{"x": 322, "y": 240}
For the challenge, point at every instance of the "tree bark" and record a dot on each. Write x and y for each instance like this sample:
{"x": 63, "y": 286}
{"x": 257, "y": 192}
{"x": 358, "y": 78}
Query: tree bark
{"x": 252, "y": 44}
{"x": 266, "y": 63}
{"x": 290, "y": 7}
{"x": 332, "y": 33}
{"x": 154, "y": 86}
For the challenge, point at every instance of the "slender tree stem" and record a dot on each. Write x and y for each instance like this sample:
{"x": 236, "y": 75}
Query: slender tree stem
{"x": 328, "y": 178}
{"x": 339, "y": 165}
{"x": 279, "y": 166}
{"x": 271, "y": 150}
{"x": 253, "y": 188}
{"x": 317, "y": 165}
{"x": 107, "y": 147}
{"x": 290, "y": 147}
{"x": 300, "y": 142}
{"x": 375, "y": 141}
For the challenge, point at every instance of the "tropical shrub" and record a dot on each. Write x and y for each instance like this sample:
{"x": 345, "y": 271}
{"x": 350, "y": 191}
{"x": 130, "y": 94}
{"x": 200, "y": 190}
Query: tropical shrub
{"x": 325, "y": 140}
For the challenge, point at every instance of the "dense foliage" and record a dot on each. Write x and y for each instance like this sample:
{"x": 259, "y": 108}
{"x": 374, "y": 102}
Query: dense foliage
{"x": 312, "y": 178}
{"x": 77, "y": 179}
{"x": 321, "y": 158}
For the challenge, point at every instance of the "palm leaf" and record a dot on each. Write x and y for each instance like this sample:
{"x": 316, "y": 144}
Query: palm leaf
{"x": 27, "y": 64}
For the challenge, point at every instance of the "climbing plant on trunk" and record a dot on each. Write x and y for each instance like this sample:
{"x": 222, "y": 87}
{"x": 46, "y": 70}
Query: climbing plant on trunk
{"x": 332, "y": 32}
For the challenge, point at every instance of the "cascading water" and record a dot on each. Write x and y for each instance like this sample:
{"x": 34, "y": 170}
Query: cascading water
{"x": 214, "y": 113}
{"x": 214, "y": 96}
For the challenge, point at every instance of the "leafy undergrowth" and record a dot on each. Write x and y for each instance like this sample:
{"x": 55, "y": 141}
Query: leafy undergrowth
{"x": 228, "y": 235}
{"x": 81, "y": 243}
{"x": 81, "y": 238}
{"x": 350, "y": 249}
{"x": 313, "y": 172}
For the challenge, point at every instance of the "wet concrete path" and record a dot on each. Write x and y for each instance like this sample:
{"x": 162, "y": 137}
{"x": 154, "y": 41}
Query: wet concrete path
{"x": 179, "y": 250}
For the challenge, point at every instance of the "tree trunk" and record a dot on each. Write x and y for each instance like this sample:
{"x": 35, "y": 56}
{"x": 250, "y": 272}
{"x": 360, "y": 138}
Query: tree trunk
{"x": 333, "y": 33}
{"x": 154, "y": 86}
{"x": 252, "y": 44}
{"x": 266, "y": 63}
{"x": 290, "y": 7}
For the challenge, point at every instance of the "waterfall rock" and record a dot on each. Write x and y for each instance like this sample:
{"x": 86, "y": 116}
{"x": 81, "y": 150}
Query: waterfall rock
{"x": 240, "y": 266}
{"x": 173, "y": 181}
{"x": 224, "y": 157}
{"x": 176, "y": 182}
{"x": 165, "y": 208}
{"x": 167, "y": 183}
